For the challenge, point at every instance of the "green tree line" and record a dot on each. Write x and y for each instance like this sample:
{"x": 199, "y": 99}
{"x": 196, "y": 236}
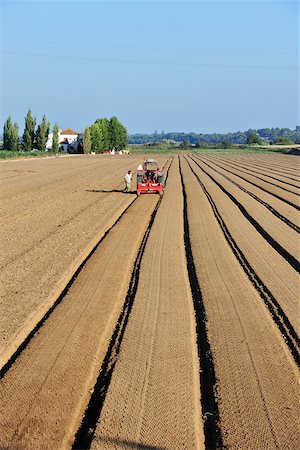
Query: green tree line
{"x": 266, "y": 135}
{"x": 34, "y": 136}
{"x": 103, "y": 134}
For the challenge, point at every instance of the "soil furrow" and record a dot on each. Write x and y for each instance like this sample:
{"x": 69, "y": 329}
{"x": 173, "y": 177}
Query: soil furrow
{"x": 275, "y": 272}
{"x": 289, "y": 334}
{"x": 288, "y": 202}
{"x": 257, "y": 376}
{"x": 85, "y": 433}
{"x": 208, "y": 381}
{"x": 258, "y": 199}
{"x": 153, "y": 399}
{"x": 282, "y": 251}
{"x": 284, "y": 170}
{"x": 46, "y": 390}
{"x": 252, "y": 171}
{"x": 285, "y": 210}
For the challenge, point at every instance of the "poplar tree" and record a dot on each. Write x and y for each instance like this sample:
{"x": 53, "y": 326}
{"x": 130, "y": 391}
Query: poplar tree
{"x": 42, "y": 134}
{"x": 10, "y": 135}
{"x": 86, "y": 141}
{"x": 15, "y": 137}
{"x": 55, "y": 139}
{"x": 29, "y": 132}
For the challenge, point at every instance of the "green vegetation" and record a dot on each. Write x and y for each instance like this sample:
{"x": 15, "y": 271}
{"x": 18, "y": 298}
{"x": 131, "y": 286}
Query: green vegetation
{"x": 224, "y": 148}
{"x": 42, "y": 134}
{"x": 283, "y": 141}
{"x": 103, "y": 134}
{"x": 5, "y": 154}
{"x": 86, "y": 140}
{"x": 55, "y": 140}
{"x": 254, "y": 138}
{"x": 268, "y": 135}
{"x": 108, "y": 134}
{"x": 10, "y": 135}
{"x": 29, "y": 132}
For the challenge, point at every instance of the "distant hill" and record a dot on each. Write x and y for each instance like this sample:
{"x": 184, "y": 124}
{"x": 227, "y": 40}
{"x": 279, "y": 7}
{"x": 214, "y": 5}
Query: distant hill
{"x": 269, "y": 135}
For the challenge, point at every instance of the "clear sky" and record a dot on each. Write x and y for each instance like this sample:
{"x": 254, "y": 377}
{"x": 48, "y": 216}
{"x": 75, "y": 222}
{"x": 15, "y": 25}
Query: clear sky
{"x": 202, "y": 66}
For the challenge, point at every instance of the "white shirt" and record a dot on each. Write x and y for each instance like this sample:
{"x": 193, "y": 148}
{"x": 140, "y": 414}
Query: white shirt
{"x": 128, "y": 177}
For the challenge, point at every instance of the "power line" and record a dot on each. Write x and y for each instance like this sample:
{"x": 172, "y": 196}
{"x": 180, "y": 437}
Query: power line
{"x": 129, "y": 47}
{"x": 149, "y": 62}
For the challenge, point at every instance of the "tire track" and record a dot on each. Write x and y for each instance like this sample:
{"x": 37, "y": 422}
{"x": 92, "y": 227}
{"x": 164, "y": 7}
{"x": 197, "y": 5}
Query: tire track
{"x": 279, "y": 317}
{"x": 261, "y": 188}
{"x": 62, "y": 295}
{"x": 265, "y": 204}
{"x": 208, "y": 380}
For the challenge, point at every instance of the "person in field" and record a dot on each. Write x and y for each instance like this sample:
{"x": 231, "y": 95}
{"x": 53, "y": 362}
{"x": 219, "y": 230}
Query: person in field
{"x": 127, "y": 179}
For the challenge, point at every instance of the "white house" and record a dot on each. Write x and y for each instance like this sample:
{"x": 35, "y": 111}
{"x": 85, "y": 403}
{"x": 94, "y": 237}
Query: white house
{"x": 66, "y": 139}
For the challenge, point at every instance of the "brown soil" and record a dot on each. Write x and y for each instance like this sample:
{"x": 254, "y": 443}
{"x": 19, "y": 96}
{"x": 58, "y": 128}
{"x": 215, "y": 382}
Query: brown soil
{"x": 55, "y": 374}
{"x": 257, "y": 379}
{"x": 53, "y": 213}
{"x": 214, "y": 308}
{"x": 153, "y": 400}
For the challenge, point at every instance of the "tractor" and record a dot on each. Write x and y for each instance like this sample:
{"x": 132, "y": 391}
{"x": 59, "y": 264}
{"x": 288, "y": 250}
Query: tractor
{"x": 149, "y": 178}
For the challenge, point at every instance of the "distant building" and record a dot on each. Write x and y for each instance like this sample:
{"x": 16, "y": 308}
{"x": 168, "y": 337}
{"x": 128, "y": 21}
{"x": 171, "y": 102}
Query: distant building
{"x": 67, "y": 139}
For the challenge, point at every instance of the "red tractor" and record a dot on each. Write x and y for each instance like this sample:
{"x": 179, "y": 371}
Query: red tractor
{"x": 149, "y": 178}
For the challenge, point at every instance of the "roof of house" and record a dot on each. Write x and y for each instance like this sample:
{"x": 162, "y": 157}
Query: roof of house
{"x": 69, "y": 131}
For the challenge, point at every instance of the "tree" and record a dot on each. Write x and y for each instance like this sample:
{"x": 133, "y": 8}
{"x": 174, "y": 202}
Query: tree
{"x": 55, "y": 139}
{"x": 96, "y": 137}
{"x": 86, "y": 141}
{"x": 42, "y": 134}
{"x": 283, "y": 141}
{"x": 104, "y": 125}
{"x": 201, "y": 144}
{"x": 118, "y": 134}
{"x": 226, "y": 144}
{"x": 29, "y": 132}
{"x": 10, "y": 135}
{"x": 254, "y": 138}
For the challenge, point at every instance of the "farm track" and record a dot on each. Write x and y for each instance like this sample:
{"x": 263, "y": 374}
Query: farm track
{"x": 246, "y": 345}
{"x": 153, "y": 400}
{"x": 74, "y": 334}
{"x": 258, "y": 199}
{"x": 281, "y": 320}
{"x": 286, "y": 213}
{"x": 275, "y": 272}
{"x": 282, "y": 197}
{"x": 76, "y": 224}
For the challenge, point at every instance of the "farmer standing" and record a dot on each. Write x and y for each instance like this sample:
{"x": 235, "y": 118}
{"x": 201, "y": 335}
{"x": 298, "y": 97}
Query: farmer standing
{"x": 127, "y": 179}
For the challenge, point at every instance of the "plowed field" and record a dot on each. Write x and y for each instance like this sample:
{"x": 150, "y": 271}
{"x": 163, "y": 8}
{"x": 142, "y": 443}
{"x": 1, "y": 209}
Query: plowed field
{"x": 150, "y": 322}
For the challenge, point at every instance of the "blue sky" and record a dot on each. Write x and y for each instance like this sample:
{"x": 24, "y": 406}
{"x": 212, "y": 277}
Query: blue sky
{"x": 202, "y": 66}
